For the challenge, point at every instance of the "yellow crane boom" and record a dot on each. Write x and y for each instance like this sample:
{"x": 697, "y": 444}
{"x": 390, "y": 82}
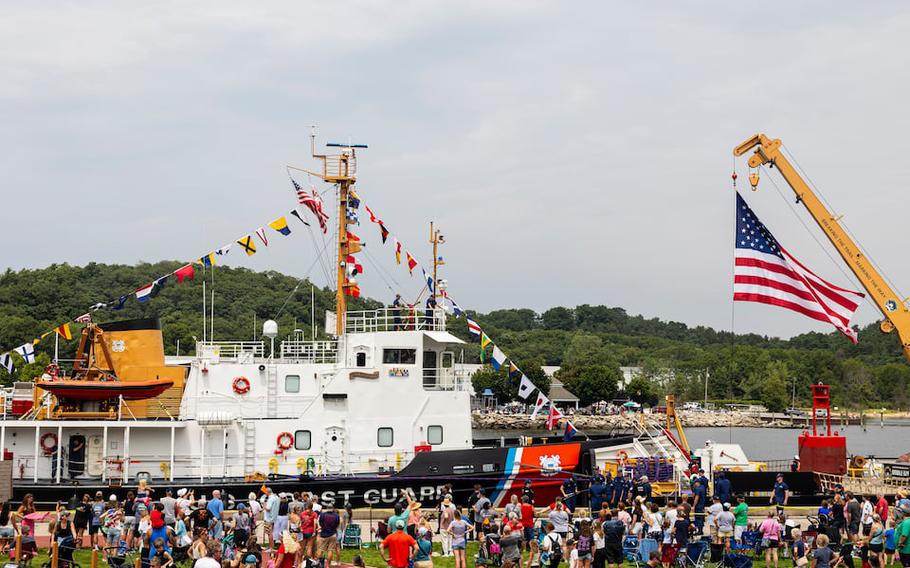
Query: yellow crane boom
{"x": 897, "y": 316}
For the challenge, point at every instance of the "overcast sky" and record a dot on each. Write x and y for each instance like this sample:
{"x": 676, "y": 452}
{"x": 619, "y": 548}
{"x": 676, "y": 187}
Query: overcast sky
{"x": 571, "y": 152}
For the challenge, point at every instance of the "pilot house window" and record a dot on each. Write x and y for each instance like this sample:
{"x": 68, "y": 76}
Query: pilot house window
{"x": 399, "y": 356}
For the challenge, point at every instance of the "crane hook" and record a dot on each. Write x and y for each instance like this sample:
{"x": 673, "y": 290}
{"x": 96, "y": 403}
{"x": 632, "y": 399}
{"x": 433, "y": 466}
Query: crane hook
{"x": 753, "y": 180}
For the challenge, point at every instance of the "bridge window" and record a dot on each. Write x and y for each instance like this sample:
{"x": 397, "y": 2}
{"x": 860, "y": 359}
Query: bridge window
{"x": 385, "y": 437}
{"x": 292, "y": 383}
{"x": 399, "y": 356}
{"x": 303, "y": 440}
{"x": 434, "y": 435}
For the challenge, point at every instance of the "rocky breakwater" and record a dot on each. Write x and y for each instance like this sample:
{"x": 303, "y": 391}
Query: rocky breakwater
{"x": 501, "y": 421}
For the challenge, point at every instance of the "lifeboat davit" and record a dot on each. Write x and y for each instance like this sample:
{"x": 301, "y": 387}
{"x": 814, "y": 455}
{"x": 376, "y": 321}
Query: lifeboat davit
{"x": 104, "y": 390}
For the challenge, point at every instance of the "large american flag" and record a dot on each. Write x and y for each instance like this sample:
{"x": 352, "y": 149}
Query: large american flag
{"x": 313, "y": 203}
{"x": 766, "y": 273}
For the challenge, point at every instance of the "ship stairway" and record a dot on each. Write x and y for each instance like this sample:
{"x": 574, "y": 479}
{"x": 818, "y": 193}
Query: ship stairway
{"x": 249, "y": 446}
{"x": 272, "y": 388}
{"x": 647, "y": 432}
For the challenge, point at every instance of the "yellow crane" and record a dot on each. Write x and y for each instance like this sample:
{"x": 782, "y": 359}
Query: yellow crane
{"x": 893, "y": 307}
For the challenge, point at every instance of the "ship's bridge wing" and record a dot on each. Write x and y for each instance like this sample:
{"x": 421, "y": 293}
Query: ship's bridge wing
{"x": 442, "y": 337}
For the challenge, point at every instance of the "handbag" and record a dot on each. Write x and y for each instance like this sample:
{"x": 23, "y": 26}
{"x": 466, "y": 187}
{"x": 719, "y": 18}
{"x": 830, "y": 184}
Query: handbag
{"x": 802, "y": 561}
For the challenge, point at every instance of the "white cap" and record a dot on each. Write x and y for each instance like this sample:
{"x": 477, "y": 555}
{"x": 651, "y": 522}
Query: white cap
{"x": 113, "y": 497}
{"x": 252, "y": 496}
{"x": 181, "y": 492}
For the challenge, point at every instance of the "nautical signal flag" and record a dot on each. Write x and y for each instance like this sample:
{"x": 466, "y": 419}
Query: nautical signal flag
{"x": 525, "y": 387}
{"x": 296, "y": 213}
{"x": 429, "y": 280}
{"x": 397, "y": 251}
{"x": 354, "y": 267}
{"x": 373, "y": 217}
{"x": 474, "y": 328}
{"x": 7, "y": 363}
{"x": 185, "y": 273}
{"x": 27, "y": 351}
{"x": 351, "y": 288}
{"x": 247, "y": 244}
{"x": 84, "y": 318}
{"x": 384, "y": 232}
{"x": 542, "y": 401}
{"x": 207, "y": 259}
{"x": 281, "y": 225}
{"x": 412, "y": 264}
{"x": 353, "y": 200}
{"x": 224, "y": 250}
{"x": 514, "y": 371}
{"x": 484, "y": 341}
{"x": 260, "y": 232}
{"x": 64, "y": 331}
{"x": 499, "y": 358}
{"x": 553, "y": 417}
{"x": 145, "y": 293}
{"x": 119, "y": 303}
{"x": 570, "y": 432}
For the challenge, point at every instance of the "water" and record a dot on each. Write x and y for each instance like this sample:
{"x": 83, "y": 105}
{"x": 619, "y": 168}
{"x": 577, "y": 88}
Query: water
{"x": 781, "y": 444}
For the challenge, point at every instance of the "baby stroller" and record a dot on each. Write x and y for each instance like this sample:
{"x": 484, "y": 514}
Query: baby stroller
{"x": 65, "y": 550}
{"x": 489, "y": 551}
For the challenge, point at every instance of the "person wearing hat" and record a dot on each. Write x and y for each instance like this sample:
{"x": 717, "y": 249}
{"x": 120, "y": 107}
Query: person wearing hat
{"x": 329, "y": 521}
{"x": 94, "y": 525}
{"x": 794, "y": 465}
{"x": 170, "y": 507}
{"x": 182, "y": 506}
{"x": 446, "y": 516}
{"x": 722, "y": 487}
{"x": 725, "y": 521}
{"x": 399, "y": 548}
{"x": 255, "y": 507}
{"x": 700, "y": 496}
{"x": 780, "y": 493}
{"x": 569, "y": 490}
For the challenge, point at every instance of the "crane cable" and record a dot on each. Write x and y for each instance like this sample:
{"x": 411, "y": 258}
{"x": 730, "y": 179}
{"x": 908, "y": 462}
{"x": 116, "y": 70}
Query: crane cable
{"x": 821, "y": 196}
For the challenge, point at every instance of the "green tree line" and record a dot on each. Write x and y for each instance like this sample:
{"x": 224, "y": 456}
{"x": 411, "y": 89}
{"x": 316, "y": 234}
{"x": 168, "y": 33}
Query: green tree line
{"x": 589, "y": 343}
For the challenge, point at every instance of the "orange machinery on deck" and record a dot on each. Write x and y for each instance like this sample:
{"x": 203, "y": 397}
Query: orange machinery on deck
{"x": 822, "y": 453}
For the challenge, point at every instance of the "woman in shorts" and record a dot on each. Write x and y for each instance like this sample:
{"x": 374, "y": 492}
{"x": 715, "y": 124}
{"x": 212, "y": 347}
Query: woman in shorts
{"x": 459, "y": 531}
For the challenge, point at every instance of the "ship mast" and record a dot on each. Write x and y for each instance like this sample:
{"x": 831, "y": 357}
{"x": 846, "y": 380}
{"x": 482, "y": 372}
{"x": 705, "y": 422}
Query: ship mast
{"x": 436, "y": 239}
{"x": 341, "y": 170}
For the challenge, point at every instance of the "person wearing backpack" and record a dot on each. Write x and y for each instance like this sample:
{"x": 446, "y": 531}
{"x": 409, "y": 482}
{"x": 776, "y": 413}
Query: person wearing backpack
{"x": 584, "y": 545}
{"x": 552, "y": 548}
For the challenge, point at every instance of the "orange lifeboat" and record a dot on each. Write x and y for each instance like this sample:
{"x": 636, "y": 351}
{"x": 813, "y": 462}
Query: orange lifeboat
{"x": 88, "y": 390}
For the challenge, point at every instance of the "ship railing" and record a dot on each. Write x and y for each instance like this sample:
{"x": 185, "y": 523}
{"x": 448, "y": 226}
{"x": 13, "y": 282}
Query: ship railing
{"x": 310, "y": 351}
{"x": 395, "y": 319}
{"x": 446, "y": 379}
{"x": 241, "y": 351}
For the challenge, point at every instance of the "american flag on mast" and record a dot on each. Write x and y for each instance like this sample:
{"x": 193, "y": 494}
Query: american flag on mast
{"x": 766, "y": 273}
{"x": 313, "y": 203}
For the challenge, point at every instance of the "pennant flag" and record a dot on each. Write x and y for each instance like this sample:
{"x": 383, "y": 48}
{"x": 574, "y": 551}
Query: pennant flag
{"x": 84, "y": 318}
{"x": 121, "y": 301}
{"x": 27, "y": 351}
{"x": 412, "y": 264}
{"x": 248, "y": 247}
{"x": 397, "y": 251}
{"x": 384, "y": 233}
{"x": 281, "y": 225}
{"x": 224, "y": 250}
{"x": 207, "y": 260}
{"x": 553, "y": 417}
{"x": 36, "y": 341}
{"x": 296, "y": 213}
{"x": 373, "y": 217}
{"x": 542, "y": 401}
{"x": 7, "y": 363}
{"x": 98, "y": 306}
{"x": 525, "y": 387}
{"x": 354, "y": 267}
{"x": 514, "y": 371}
{"x": 145, "y": 293}
{"x": 570, "y": 432}
{"x": 429, "y": 280}
{"x": 499, "y": 358}
{"x": 474, "y": 328}
{"x": 314, "y": 204}
{"x": 64, "y": 331}
{"x": 766, "y": 273}
{"x": 353, "y": 200}
{"x": 185, "y": 272}
{"x": 260, "y": 232}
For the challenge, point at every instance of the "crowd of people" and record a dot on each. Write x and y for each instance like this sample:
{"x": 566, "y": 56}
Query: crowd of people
{"x": 295, "y": 530}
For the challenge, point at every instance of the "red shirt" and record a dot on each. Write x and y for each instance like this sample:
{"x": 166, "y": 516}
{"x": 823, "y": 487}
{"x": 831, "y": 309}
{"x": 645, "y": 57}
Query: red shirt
{"x": 527, "y": 515}
{"x": 882, "y": 509}
{"x": 288, "y": 560}
{"x": 399, "y": 545}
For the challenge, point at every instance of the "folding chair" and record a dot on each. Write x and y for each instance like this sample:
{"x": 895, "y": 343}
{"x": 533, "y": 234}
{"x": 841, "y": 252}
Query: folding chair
{"x": 750, "y": 542}
{"x": 694, "y": 556}
{"x": 645, "y": 547}
{"x": 351, "y": 537}
{"x": 630, "y": 548}
{"x": 733, "y": 560}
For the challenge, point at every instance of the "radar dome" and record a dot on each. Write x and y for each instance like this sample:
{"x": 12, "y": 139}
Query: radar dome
{"x": 270, "y": 329}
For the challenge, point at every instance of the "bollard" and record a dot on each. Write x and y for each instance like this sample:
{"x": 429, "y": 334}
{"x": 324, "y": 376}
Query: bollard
{"x": 138, "y": 563}
{"x": 94, "y": 557}
{"x": 55, "y": 553}
{"x": 18, "y": 548}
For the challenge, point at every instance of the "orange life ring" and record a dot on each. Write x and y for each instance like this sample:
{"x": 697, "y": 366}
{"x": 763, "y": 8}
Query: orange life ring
{"x": 53, "y": 370}
{"x": 241, "y": 385}
{"x": 48, "y": 448}
{"x": 622, "y": 456}
{"x": 285, "y": 440}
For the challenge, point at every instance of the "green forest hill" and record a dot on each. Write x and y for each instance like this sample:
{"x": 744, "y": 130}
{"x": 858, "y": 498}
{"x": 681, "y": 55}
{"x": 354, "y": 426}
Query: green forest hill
{"x": 589, "y": 342}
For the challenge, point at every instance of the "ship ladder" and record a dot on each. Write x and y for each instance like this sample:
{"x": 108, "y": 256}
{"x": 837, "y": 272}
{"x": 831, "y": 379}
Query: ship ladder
{"x": 249, "y": 446}
{"x": 272, "y": 390}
